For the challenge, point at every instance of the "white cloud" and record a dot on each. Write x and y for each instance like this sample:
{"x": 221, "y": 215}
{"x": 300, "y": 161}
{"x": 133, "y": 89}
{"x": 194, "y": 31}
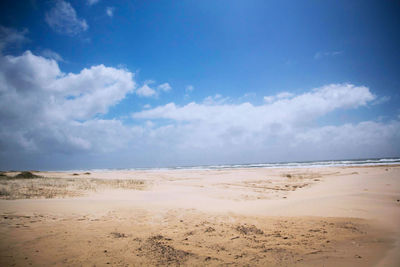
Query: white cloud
{"x": 63, "y": 19}
{"x": 92, "y": 2}
{"x": 300, "y": 108}
{"x": 110, "y": 11}
{"x": 381, "y": 100}
{"x": 47, "y": 53}
{"x": 10, "y": 36}
{"x": 215, "y": 100}
{"x": 360, "y": 140}
{"x": 268, "y": 99}
{"x": 320, "y": 55}
{"x": 92, "y": 91}
{"x": 48, "y": 116}
{"x": 282, "y": 95}
{"x": 146, "y": 90}
{"x": 282, "y": 129}
{"x": 44, "y": 109}
{"x": 165, "y": 87}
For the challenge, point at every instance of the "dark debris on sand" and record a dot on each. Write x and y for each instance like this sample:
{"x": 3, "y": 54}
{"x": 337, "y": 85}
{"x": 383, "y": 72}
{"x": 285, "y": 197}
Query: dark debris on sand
{"x": 158, "y": 248}
{"x": 246, "y": 230}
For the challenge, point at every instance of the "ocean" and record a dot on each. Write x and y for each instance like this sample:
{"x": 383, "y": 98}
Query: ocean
{"x": 295, "y": 164}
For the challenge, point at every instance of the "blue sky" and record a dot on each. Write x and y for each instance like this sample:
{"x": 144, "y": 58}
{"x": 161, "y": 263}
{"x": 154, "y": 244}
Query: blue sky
{"x": 172, "y": 79}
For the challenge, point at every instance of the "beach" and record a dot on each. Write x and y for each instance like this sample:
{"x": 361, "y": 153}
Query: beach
{"x": 321, "y": 216}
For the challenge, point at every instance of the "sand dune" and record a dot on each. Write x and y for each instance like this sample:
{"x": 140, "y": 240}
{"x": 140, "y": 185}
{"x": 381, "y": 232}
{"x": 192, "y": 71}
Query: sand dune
{"x": 336, "y": 216}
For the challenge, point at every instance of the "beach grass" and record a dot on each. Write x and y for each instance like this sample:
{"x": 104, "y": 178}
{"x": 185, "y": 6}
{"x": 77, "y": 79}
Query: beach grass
{"x": 27, "y": 186}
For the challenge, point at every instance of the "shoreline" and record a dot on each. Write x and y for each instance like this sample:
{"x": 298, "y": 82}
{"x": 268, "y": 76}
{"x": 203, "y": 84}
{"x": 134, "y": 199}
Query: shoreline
{"x": 368, "y": 162}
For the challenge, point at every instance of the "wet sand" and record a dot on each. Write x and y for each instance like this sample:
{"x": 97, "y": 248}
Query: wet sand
{"x": 336, "y": 216}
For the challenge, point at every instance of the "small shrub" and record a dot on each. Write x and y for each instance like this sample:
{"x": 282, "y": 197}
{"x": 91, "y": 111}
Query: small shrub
{"x": 26, "y": 175}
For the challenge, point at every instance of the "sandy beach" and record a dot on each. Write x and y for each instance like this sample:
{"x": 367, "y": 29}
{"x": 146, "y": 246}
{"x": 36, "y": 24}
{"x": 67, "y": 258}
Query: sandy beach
{"x": 333, "y": 216}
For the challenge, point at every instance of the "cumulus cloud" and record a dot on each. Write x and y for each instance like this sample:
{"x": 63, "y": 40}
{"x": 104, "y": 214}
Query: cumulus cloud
{"x": 282, "y": 95}
{"x": 366, "y": 139}
{"x": 47, "y": 53}
{"x": 282, "y": 129}
{"x": 63, "y": 19}
{"x": 50, "y": 116}
{"x": 10, "y": 36}
{"x": 146, "y": 90}
{"x": 215, "y": 99}
{"x": 297, "y": 109}
{"x": 110, "y": 11}
{"x": 165, "y": 87}
{"x": 43, "y": 108}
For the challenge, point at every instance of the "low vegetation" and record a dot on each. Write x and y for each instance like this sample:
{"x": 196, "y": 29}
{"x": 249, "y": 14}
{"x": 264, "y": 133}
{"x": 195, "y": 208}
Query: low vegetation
{"x": 28, "y": 185}
{"x": 26, "y": 175}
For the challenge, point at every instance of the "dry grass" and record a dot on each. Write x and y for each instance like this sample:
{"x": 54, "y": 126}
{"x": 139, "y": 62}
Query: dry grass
{"x": 41, "y": 187}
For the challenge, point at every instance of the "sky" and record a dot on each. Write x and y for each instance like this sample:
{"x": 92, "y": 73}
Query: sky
{"x": 123, "y": 84}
